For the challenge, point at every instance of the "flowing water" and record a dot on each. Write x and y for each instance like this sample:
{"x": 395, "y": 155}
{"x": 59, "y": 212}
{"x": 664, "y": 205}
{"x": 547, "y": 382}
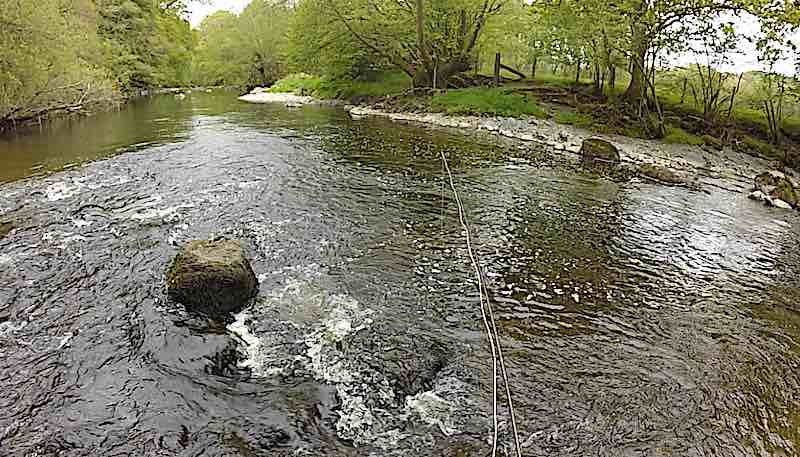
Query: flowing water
{"x": 636, "y": 320}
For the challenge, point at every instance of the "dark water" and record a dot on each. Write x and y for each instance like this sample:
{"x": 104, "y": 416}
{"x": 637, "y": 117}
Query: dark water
{"x": 637, "y": 320}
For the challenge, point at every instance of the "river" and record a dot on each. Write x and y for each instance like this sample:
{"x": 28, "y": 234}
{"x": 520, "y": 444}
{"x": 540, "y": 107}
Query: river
{"x": 636, "y": 319}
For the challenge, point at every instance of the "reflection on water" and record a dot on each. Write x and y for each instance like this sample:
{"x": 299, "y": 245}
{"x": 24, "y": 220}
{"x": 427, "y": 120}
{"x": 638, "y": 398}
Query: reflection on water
{"x": 638, "y": 319}
{"x": 141, "y": 123}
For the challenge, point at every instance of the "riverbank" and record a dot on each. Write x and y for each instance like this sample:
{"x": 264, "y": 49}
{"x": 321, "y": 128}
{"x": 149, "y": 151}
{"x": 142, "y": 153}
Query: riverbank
{"x": 89, "y": 106}
{"x": 725, "y": 168}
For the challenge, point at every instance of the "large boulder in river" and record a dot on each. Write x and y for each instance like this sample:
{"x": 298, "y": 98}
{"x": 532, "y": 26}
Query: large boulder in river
{"x": 598, "y": 153}
{"x": 212, "y": 277}
{"x": 776, "y": 189}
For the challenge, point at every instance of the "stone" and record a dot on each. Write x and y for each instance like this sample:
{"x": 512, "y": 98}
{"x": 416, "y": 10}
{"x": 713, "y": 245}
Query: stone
{"x": 5, "y": 228}
{"x": 212, "y": 277}
{"x": 758, "y": 196}
{"x": 778, "y": 186}
{"x": 778, "y": 203}
{"x": 599, "y": 153}
{"x": 662, "y": 174}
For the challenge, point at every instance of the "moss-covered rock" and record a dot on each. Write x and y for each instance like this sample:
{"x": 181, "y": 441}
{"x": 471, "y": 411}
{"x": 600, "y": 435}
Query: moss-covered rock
{"x": 599, "y": 153}
{"x": 212, "y": 277}
{"x": 5, "y": 228}
{"x": 777, "y": 186}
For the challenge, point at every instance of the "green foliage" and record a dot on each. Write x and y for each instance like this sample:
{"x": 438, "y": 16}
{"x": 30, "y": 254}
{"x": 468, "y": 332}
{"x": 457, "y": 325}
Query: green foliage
{"x": 676, "y": 135}
{"x": 319, "y": 44}
{"x": 429, "y": 41}
{"x": 483, "y": 101}
{"x": 244, "y": 50}
{"x": 388, "y": 83}
{"x": 48, "y": 58}
{"x": 144, "y": 44}
{"x": 298, "y": 83}
{"x": 213, "y": 63}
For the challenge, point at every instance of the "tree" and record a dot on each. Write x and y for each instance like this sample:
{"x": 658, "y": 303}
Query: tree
{"x": 710, "y": 87}
{"x": 146, "y": 44}
{"x": 244, "y": 50}
{"x": 48, "y": 59}
{"x": 216, "y": 60}
{"x": 318, "y": 42}
{"x": 778, "y": 22}
{"x": 429, "y": 42}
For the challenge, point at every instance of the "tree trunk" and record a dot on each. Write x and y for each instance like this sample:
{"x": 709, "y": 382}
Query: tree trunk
{"x": 533, "y": 67}
{"x": 612, "y": 77}
{"x": 598, "y": 79}
{"x": 634, "y": 91}
{"x": 578, "y": 73}
{"x": 640, "y": 48}
{"x": 683, "y": 91}
{"x": 421, "y": 44}
{"x": 438, "y": 76}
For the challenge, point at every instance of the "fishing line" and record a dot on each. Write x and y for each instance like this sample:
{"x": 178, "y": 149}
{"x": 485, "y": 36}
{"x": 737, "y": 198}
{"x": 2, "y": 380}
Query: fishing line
{"x": 491, "y": 329}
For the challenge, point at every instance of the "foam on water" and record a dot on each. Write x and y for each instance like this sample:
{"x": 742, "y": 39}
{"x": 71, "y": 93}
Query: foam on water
{"x": 258, "y": 356}
{"x": 441, "y": 405}
{"x": 158, "y": 213}
{"x": 62, "y": 189}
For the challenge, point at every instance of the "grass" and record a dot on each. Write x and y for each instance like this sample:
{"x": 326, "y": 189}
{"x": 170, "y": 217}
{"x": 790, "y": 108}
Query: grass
{"x": 483, "y": 100}
{"x": 574, "y": 118}
{"x": 676, "y": 135}
{"x": 762, "y": 148}
{"x": 387, "y": 83}
{"x": 297, "y": 83}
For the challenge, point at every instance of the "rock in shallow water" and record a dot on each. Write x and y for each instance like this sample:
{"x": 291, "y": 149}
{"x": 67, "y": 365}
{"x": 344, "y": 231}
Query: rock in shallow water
{"x": 5, "y": 228}
{"x": 663, "y": 174}
{"x": 778, "y": 203}
{"x": 776, "y": 189}
{"x": 758, "y": 196}
{"x": 212, "y": 277}
{"x": 599, "y": 153}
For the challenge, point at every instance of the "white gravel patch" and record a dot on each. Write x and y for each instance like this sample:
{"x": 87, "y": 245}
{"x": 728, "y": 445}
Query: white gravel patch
{"x": 276, "y": 97}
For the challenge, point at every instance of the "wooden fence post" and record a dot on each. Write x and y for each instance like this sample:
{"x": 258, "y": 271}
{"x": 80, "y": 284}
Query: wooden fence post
{"x": 497, "y": 69}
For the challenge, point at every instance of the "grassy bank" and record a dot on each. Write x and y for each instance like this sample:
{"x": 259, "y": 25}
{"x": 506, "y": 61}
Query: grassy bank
{"x": 383, "y": 84}
{"x": 563, "y": 101}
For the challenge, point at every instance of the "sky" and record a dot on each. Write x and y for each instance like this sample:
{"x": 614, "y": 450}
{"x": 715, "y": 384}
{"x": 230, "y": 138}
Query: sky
{"x": 744, "y": 61}
{"x": 200, "y": 9}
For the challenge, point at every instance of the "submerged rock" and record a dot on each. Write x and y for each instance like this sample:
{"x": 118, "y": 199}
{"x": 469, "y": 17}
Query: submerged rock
{"x": 5, "y": 228}
{"x": 599, "y": 153}
{"x": 758, "y": 196}
{"x": 212, "y": 277}
{"x": 776, "y": 189}
{"x": 663, "y": 174}
{"x": 778, "y": 203}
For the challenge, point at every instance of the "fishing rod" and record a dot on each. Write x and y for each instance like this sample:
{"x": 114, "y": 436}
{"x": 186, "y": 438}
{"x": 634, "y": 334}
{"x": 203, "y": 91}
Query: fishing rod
{"x": 487, "y": 314}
